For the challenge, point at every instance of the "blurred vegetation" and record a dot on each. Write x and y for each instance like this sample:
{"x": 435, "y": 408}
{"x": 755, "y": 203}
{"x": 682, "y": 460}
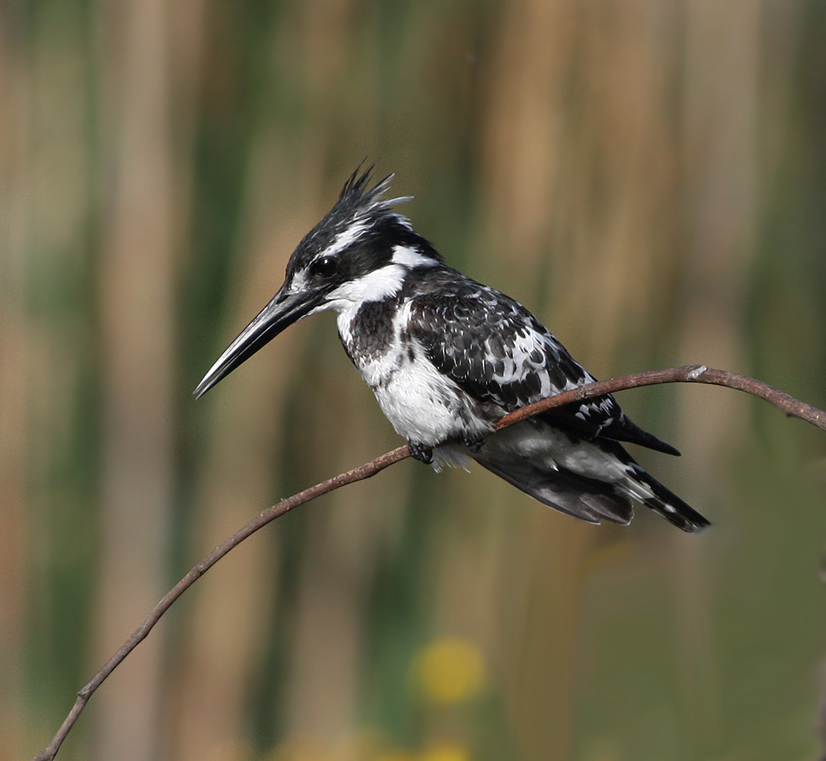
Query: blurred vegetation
{"x": 648, "y": 176}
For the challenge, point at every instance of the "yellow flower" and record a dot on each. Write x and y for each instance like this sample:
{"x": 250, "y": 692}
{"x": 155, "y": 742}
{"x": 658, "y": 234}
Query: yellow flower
{"x": 446, "y": 752}
{"x": 450, "y": 670}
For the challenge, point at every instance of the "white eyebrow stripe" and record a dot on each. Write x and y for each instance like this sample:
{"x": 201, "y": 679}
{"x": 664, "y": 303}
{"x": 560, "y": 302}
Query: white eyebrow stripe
{"x": 344, "y": 239}
{"x": 408, "y": 256}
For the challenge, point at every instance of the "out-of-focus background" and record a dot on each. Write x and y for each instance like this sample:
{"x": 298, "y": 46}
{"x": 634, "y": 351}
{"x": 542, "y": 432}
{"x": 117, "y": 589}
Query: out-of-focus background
{"x": 649, "y": 177}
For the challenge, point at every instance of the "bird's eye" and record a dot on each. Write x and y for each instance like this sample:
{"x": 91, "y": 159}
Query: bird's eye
{"x": 324, "y": 266}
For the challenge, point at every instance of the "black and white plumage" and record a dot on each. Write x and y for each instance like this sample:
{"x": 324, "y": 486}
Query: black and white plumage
{"x": 447, "y": 357}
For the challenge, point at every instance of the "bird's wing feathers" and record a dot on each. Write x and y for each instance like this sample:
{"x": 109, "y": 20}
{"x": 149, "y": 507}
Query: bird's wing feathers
{"x": 585, "y": 498}
{"x": 498, "y": 352}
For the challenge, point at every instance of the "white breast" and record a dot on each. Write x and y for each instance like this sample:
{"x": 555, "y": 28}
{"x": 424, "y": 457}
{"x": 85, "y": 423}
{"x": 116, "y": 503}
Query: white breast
{"x": 421, "y": 404}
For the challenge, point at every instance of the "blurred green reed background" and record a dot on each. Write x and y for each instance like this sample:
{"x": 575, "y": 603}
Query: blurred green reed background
{"x": 649, "y": 177}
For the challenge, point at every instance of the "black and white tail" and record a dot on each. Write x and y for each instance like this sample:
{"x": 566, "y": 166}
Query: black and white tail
{"x": 598, "y": 484}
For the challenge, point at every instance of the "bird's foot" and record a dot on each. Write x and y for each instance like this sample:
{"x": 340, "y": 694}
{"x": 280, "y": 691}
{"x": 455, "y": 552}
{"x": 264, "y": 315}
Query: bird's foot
{"x": 420, "y": 452}
{"x": 474, "y": 443}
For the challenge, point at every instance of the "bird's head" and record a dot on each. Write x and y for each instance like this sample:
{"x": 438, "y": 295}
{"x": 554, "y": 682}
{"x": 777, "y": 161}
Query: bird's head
{"x": 360, "y": 251}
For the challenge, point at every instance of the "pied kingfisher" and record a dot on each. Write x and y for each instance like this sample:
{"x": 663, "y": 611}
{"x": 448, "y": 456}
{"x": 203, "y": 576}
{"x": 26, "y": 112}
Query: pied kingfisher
{"x": 447, "y": 357}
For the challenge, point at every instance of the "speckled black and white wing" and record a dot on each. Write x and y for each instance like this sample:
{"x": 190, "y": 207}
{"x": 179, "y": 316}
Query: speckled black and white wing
{"x": 501, "y": 356}
{"x": 499, "y": 353}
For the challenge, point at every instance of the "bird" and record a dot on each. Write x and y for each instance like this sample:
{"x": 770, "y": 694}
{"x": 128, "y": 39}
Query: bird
{"x": 447, "y": 357}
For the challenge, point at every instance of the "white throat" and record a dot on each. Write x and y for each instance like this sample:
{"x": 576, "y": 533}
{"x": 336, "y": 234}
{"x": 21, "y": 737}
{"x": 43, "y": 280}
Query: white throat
{"x": 383, "y": 283}
{"x": 378, "y": 285}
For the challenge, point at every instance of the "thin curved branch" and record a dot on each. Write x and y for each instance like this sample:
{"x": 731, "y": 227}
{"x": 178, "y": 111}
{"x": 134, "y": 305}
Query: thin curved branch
{"x": 687, "y": 374}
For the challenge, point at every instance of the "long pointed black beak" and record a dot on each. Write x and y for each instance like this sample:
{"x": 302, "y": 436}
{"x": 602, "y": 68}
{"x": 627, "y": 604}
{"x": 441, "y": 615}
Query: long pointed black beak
{"x": 284, "y": 309}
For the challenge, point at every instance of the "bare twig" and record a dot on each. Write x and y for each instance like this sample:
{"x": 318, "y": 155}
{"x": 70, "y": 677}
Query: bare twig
{"x": 687, "y": 374}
